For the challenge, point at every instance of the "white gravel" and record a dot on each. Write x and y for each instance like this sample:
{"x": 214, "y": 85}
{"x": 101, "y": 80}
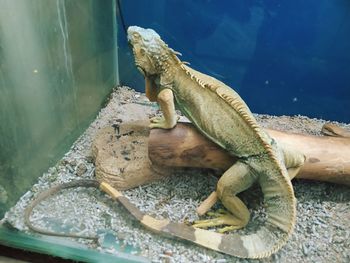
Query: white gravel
{"x": 323, "y": 221}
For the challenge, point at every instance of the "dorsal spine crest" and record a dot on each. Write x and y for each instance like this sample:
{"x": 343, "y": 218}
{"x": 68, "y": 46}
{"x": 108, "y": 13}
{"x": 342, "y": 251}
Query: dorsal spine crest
{"x": 239, "y": 107}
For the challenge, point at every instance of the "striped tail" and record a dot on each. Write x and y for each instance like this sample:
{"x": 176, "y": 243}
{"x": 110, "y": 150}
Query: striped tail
{"x": 266, "y": 241}
{"x": 263, "y": 243}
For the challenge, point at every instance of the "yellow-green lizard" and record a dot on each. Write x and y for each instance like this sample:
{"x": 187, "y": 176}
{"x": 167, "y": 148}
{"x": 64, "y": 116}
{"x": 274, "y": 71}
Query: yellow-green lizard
{"x": 222, "y": 116}
{"x": 219, "y": 113}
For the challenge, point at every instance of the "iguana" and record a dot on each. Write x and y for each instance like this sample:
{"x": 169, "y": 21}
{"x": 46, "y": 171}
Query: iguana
{"x": 229, "y": 123}
{"x": 221, "y": 115}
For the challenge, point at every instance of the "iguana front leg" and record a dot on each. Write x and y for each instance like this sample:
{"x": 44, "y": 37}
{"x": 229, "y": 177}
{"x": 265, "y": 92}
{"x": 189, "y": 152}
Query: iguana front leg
{"x": 165, "y": 99}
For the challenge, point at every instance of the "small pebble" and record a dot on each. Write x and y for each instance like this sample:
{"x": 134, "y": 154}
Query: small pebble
{"x": 221, "y": 260}
{"x": 73, "y": 162}
{"x": 305, "y": 250}
{"x": 70, "y": 168}
{"x": 168, "y": 252}
{"x": 80, "y": 169}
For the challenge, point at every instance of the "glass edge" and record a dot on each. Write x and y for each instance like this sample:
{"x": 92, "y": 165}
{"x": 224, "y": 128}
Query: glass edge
{"x": 57, "y": 247}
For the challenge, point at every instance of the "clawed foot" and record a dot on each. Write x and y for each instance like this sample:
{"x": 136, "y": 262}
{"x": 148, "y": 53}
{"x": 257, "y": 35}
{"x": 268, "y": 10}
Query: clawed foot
{"x": 222, "y": 217}
{"x": 160, "y": 122}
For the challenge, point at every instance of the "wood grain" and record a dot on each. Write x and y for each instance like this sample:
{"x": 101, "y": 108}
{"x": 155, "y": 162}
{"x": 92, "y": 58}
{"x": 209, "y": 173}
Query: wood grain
{"x": 327, "y": 158}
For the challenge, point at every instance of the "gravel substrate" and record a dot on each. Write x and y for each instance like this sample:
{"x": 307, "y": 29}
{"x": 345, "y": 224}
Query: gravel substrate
{"x": 323, "y": 211}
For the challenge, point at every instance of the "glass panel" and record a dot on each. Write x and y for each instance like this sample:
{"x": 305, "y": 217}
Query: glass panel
{"x": 283, "y": 57}
{"x": 63, "y": 248}
{"x": 58, "y": 62}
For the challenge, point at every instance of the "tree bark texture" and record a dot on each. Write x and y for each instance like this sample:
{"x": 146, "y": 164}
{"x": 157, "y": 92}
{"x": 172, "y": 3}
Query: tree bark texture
{"x": 327, "y": 157}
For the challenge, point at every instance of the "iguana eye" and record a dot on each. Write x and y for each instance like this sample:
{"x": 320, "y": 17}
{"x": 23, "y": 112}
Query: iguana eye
{"x": 136, "y": 35}
{"x": 142, "y": 51}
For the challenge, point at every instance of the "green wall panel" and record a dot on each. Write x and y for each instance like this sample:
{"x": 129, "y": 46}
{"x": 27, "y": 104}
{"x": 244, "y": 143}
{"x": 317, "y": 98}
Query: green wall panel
{"x": 58, "y": 62}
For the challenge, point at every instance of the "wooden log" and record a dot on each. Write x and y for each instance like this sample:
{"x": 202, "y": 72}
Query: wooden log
{"x": 327, "y": 158}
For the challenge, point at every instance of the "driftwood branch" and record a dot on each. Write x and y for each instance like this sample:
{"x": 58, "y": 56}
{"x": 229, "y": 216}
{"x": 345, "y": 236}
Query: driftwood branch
{"x": 328, "y": 158}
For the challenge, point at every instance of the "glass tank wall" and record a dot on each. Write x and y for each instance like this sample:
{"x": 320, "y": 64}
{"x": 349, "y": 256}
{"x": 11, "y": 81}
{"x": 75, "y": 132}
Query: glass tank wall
{"x": 58, "y": 62}
{"x": 283, "y": 57}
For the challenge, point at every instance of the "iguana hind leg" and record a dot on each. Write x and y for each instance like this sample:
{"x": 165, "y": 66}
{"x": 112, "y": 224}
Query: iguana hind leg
{"x": 293, "y": 160}
{"x": 234, "y": 221}
{"x": 235, "y": 180}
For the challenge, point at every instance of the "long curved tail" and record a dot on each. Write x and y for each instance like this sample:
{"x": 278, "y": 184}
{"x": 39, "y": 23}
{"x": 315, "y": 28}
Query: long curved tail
{"x": 51, "y": 191}
{"x": 266, "y": 241}
{"x": 280, "y": 201}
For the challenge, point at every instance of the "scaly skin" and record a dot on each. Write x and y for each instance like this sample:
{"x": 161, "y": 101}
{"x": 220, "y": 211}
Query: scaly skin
{"x": 222, "y": 116}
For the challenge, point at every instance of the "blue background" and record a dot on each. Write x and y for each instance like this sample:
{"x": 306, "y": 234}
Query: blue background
{"x": 282, "y": 57}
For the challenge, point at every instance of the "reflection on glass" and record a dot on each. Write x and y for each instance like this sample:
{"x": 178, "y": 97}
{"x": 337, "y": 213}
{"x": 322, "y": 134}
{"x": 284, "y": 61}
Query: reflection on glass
{"x": 58, "y": 62}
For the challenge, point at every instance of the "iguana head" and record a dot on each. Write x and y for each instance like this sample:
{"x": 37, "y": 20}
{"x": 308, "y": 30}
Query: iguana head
{"x": 152, "y": 55}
